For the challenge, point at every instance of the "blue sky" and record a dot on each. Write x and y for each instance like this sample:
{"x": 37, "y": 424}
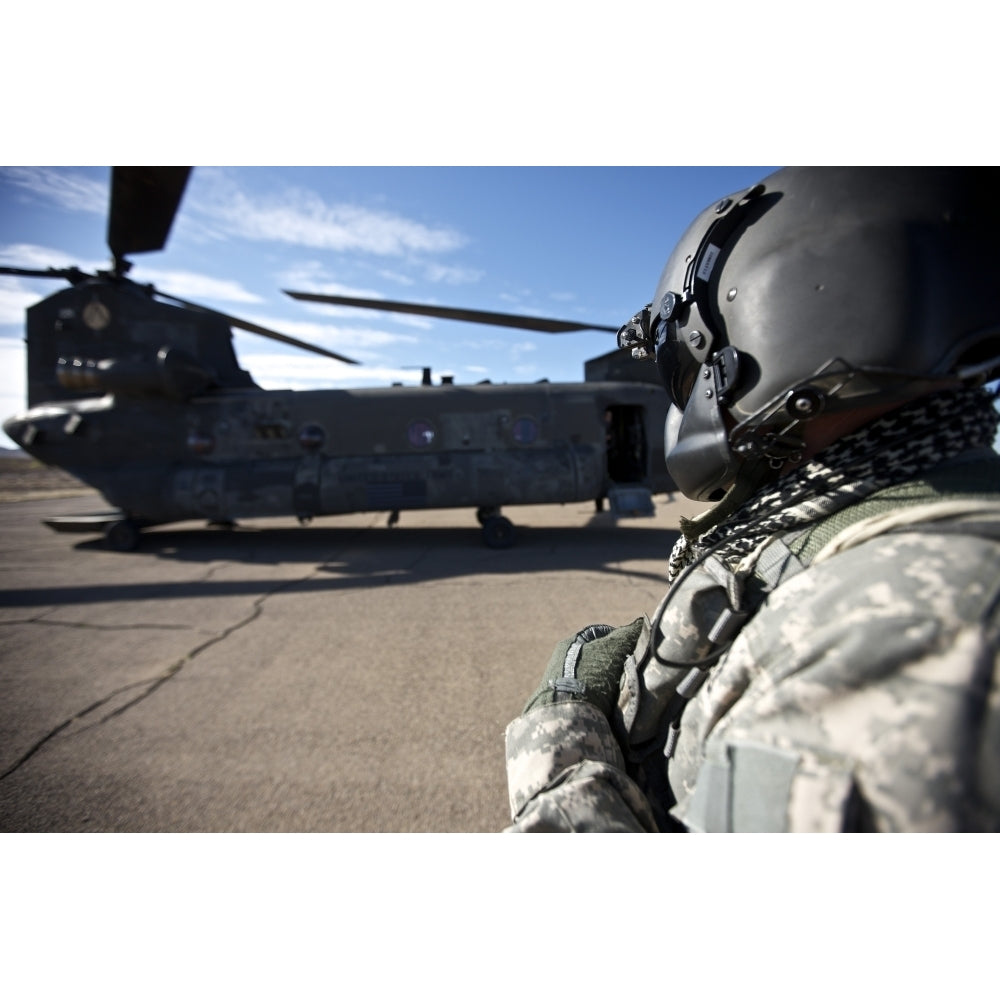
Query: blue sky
{"x": 582, "y": 243}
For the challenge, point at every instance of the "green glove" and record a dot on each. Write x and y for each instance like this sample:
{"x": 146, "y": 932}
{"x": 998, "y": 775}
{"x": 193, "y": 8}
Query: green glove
{"x": 588, "y": 667}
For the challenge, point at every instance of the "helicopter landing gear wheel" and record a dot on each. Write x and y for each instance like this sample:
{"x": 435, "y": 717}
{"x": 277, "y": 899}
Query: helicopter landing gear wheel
{"x": 498, "y": 532}
{"x": 122, "y": 536}
{"x": 485, "y": 513}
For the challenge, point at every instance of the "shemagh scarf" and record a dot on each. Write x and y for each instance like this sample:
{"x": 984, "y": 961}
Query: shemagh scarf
{"x": 892, "y": 449}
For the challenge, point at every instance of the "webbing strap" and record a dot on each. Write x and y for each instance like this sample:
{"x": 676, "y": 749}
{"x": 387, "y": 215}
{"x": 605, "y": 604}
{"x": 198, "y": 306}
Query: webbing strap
{"x": 974, "y": 517}
{"x": 777, "y": 562}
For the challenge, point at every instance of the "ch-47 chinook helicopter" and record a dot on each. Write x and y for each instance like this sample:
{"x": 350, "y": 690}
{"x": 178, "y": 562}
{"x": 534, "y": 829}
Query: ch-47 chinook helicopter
{"x": 140, "y": 395}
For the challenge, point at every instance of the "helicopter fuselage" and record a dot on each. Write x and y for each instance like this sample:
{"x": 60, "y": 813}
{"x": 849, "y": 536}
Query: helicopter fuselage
{"x": 239, "y": 453}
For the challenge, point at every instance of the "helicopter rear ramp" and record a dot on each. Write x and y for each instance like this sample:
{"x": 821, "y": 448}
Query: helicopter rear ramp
{"x": 631, "y": 501}
{"x": 83, "y": 524}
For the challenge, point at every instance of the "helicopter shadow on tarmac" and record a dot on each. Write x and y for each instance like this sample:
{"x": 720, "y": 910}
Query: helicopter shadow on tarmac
{"x": 335, "y": 559}
{"x": 359, "y": 555}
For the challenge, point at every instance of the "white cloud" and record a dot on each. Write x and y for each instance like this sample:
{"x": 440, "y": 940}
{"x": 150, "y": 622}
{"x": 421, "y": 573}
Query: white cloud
{"x": 405, "y": 319}
{"x": 515, "y": 298}
{"x": 188, "y": 285}
{"x": 396, "y": 277}
{"x": 66, "y": 188}
{"x": 303, "y": 218}
{"x": 30, "y": 255}
{"x": 311, "y": 275}
{"x": 13, "y": 384}
{"x": 288, "y": 371}
{"x": 353, "y": 342}
{"x": 14, "y": 299}
{"x": 452, "y": 275}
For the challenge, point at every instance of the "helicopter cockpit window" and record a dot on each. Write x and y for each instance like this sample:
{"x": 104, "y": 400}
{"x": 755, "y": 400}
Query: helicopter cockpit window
{"x": 525, "y": 431}
{"x": 421, "y": 434}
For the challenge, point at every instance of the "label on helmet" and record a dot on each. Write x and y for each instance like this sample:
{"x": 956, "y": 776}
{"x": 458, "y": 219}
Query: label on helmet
{"x": 708, "y": 260}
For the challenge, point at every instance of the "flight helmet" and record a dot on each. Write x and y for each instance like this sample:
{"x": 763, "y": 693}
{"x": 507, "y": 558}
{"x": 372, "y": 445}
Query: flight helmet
{"x": 819, "y": 290}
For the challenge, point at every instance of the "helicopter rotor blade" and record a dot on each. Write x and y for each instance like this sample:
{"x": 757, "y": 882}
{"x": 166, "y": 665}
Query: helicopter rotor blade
{"x": 144, "y": 201}
{"x": 263, "y": 331}
{"x": 71, "y": 274}
{"x": 539, "y": 323}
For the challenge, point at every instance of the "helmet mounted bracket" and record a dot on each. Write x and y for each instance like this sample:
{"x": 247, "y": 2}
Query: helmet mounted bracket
{"x": 730, "y": 215}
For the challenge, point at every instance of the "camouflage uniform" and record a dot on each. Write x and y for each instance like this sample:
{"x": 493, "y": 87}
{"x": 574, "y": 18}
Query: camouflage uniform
{"x": 862, "y": 694}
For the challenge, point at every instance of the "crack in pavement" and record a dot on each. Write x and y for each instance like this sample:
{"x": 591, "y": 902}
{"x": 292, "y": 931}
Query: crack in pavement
{"x": 150, "y": 685}
{"x": 93, "y": 626}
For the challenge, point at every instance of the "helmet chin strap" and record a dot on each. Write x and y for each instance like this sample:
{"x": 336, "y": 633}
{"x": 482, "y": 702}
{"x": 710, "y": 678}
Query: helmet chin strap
{"x": 753, "y": 474}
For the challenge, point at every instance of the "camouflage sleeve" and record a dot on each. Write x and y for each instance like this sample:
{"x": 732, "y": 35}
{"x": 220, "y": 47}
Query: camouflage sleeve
{"x": 865, "y": 695}
{"x": 566, "y": 773}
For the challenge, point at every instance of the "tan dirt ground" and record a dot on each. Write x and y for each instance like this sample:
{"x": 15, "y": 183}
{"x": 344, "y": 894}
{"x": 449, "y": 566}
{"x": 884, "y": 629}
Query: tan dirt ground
{"x": 28, "y": 479}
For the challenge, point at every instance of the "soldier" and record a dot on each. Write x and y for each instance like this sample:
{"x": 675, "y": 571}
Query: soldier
{"x": 825, "y": 657}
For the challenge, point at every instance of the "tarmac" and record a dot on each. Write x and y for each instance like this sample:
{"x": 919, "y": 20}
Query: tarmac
{"x": 339, "y": 677}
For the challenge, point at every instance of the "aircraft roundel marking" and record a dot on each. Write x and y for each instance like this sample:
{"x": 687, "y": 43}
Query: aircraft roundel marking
{"x": 525, "y": 430}
{"x": 420, "y": 434}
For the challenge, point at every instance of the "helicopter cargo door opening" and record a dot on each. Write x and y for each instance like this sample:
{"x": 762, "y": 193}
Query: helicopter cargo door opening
{"x": 626, "y": 437}
{"x": 625, "y": 431}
